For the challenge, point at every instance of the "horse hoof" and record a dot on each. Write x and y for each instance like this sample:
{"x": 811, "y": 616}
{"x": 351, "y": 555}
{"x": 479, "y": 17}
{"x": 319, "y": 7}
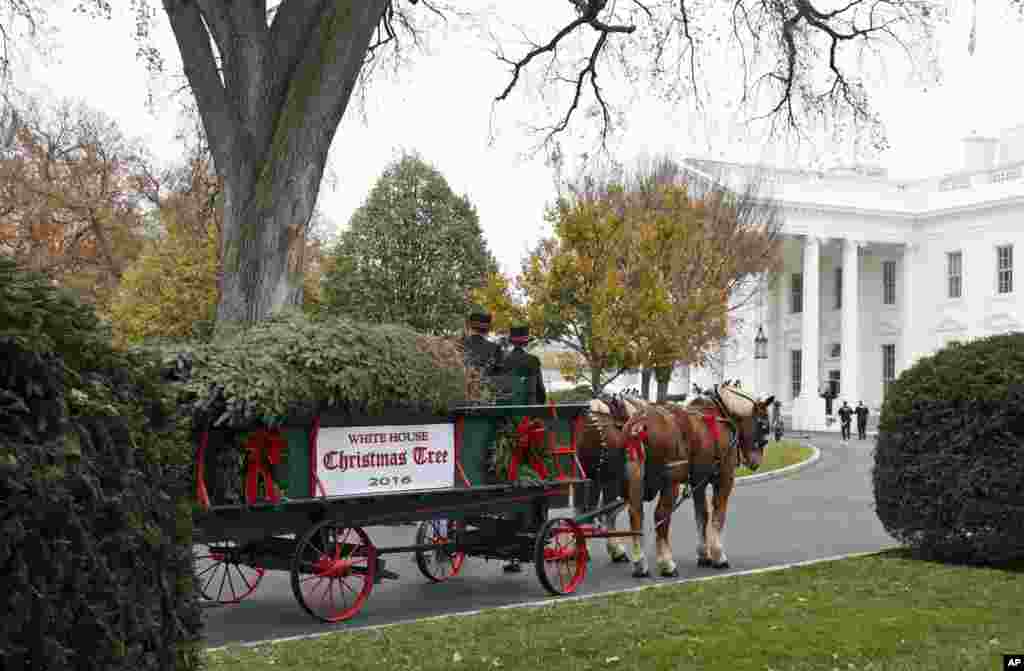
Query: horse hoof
{"x": 703, "y": 562}
{"x": 641, "y": 573}
{"x": 721, "y": 565}
{"x": 674, "y": 573}
{"x": 620, "y": 559}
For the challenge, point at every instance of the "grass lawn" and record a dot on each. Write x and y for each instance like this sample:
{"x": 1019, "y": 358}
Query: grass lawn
{"x": 883, "y": 612}
{"x": 779, "y": 455}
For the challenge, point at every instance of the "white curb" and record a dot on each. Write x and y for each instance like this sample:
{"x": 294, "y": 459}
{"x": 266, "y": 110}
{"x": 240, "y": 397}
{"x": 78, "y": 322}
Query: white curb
{"x": 556, "y": 600}
{"x": 782, "y": 472}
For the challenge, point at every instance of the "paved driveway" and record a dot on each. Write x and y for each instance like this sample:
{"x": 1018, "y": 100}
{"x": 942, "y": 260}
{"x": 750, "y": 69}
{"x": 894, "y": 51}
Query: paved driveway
{"x": 819, "y": 512}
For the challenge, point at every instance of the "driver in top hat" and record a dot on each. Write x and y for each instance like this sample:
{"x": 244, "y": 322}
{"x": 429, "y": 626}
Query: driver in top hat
{"x": 521, "y": 363}
{"x": 481, "y": 352}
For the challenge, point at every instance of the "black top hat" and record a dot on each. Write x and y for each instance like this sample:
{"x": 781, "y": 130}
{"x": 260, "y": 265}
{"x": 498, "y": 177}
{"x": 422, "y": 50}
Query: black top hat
{"x": 519, "y": 333}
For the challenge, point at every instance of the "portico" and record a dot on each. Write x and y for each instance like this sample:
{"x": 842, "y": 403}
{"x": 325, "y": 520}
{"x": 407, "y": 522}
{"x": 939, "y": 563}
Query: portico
{"x": 832, "y": 345}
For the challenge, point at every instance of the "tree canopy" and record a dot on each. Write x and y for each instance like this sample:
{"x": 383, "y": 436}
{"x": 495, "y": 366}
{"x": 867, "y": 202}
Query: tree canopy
{"x": 69, "y": 197}
{"x": 642, "y": 270}
{"x": 411, "y": 253}
{"x": 272, "y": 81}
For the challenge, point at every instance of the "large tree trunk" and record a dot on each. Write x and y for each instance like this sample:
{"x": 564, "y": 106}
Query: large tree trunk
{"x": 262, "y": 246}
{"x": 663, "y": 374}
{"x": 645, "y": 383}
{"x": 270, "y": 112}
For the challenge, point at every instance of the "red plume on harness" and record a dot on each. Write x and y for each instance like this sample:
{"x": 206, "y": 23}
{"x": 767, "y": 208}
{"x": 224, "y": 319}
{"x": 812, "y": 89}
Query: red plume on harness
{"x": 531, "y": 440}
{"x": 711, "y": 420}
{"x": 635, "y": 445}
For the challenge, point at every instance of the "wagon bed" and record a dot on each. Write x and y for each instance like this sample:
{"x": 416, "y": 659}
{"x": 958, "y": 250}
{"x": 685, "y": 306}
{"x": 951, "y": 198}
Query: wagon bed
{"x": 321, "y": 540}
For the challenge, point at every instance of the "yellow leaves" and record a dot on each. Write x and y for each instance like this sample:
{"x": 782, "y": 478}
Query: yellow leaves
{"x": 170, "y": 288}
{"x": 496, "y": 297}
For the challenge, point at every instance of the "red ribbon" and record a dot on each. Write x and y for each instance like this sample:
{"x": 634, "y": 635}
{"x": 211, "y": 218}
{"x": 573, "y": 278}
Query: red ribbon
{"x": 531, "y": 434}
{"x": 711, "y": 420}
{"x": 635, "y": 447}
{"x": 264, "y": 450}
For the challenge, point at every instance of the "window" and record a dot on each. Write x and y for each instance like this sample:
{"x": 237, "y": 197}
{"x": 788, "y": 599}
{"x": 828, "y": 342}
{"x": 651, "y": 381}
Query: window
{"x": 888, "y": 366}
{"x": 833, "y": 382}
{"x": 796, "y": 293}
{"x": 839, "y": 288}
{"x": 796, "y": 370}
{"x": 1004, "y": 265}
{"x": 954, "y": 274}
{"x": 835, "y": 351}
{"x": 889, "y": 282}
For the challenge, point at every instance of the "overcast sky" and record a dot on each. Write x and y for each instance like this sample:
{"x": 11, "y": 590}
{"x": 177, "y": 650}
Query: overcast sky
{"x": 441, "y": 107}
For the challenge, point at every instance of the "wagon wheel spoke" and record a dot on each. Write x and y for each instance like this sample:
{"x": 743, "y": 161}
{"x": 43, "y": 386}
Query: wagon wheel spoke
{"x": 218, "y": 566}
{"x": 442, "y": 562}
{"x": 561, "y": 550}
{"x": 336, "y": 555}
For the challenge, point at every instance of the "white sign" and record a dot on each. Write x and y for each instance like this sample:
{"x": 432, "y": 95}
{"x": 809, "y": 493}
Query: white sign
{"x": 374, "y": 459}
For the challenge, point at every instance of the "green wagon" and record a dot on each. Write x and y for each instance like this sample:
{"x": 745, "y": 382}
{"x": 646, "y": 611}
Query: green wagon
{"x": 310, "y": 488}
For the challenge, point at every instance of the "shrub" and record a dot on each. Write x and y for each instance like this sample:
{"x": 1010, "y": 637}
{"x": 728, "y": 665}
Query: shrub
{"x": 287, "y": 368}
{"x": 948, "y": 473}
{"x": 95, "y": 554}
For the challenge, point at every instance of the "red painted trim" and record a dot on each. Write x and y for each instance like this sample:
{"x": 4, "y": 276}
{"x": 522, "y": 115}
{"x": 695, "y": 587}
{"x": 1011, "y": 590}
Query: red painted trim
{"x": 201, "y": 493}
{"x": 577, "y": 428}
{"x": 459, "y": 427}
{"x": 314, "y": 482}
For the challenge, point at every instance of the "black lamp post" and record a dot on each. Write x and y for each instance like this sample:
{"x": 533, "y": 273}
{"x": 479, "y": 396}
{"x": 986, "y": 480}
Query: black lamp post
{"x": 760, "y": 344}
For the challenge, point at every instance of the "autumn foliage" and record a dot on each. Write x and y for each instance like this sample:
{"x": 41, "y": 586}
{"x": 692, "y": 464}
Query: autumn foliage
{"x": 68, "y": 199}
{"x": 642, "y": 270}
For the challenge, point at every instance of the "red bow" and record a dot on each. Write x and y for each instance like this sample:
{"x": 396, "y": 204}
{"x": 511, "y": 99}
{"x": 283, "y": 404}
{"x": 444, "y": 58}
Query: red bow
{"x": 531, "y": 434}
{"x": 711, "y": 419}
{"x": 263, "y": 443}
{"x": 634, "y": 445}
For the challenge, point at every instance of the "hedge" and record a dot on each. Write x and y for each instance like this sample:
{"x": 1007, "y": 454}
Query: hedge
{"x": 948, "y": 475}
{"x": 95, "y": 552}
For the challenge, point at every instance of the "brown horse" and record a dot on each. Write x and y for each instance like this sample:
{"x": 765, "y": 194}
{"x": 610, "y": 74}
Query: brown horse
{"x": 698, "y": 444}
{"x": 602, "y": 454}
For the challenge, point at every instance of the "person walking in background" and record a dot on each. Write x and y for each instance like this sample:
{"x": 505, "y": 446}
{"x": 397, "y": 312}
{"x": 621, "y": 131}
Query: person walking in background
{"x": 845, "y": 416}
{"x": 862, "y": 420}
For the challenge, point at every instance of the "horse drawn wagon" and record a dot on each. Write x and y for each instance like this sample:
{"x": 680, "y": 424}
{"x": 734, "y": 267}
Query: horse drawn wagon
{"x": 312, "y": 488}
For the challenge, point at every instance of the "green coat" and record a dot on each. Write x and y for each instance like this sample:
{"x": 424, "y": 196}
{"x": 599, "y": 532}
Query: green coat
{"x": 482, "y": 354}
{"x": 521, "y": 363}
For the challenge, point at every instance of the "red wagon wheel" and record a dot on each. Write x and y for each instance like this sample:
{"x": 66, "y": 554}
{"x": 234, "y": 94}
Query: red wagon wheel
{"x": 560, "y": 556}
{"x": 223, "y": 574}
{"x": 444, "y": 562}
{"x": 333, "y": 571}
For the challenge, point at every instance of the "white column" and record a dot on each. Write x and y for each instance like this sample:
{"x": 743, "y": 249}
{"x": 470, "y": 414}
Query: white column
{"x": 850, "y": 344}
{"x": 811, "y": 331}
{"x": 780, "y": 355}
{"x": 905, "y": 300}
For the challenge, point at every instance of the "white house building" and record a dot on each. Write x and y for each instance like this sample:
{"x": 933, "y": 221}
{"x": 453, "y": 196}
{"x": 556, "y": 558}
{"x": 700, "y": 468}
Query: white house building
{"x": 878, "y": 273}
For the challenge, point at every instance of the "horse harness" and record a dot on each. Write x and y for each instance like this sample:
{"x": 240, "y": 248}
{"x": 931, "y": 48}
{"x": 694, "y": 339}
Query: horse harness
{"x": 699, "y": 481}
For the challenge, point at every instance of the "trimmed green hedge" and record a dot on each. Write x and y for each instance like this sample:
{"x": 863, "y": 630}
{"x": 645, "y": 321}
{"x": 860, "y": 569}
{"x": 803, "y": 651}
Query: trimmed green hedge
{"x": 949, "y": 463}
{"x": 95, "y": 553}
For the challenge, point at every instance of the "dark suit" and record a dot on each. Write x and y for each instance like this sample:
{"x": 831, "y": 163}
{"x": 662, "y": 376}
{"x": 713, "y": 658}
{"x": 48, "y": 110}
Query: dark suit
{"x": 845, "y": 414}
{"x": 862, "y": 421}
{"x": 482, "y": 354}
{"x": 521, "y": 363}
